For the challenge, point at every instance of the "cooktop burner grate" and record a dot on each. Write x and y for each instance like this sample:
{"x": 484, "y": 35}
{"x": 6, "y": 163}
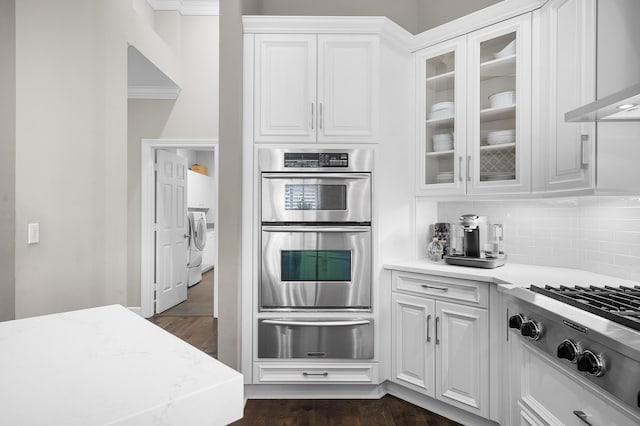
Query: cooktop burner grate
{"x": 618, "y": 304}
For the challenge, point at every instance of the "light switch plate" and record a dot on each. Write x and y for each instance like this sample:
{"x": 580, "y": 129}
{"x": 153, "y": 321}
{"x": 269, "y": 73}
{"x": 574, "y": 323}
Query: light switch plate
{"x": 33, "y": 233}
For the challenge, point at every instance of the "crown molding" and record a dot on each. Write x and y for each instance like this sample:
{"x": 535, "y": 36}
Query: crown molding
{"x": 188, "y": 7}
{"x": 153, "y": 92}
{"x": 380, "y": 25}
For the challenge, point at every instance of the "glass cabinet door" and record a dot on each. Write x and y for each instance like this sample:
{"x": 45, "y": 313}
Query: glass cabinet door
{"x": 499, "y": 122}
{"x": 441, "y": 110}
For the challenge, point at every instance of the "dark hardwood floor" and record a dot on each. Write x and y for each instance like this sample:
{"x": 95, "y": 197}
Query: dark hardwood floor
{"x": 388, "y": 411}
{"x": 198, "y": 331}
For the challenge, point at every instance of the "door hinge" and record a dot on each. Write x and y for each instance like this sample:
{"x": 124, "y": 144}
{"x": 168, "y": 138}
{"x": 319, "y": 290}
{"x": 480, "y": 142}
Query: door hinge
{"x": 154, "y": 226}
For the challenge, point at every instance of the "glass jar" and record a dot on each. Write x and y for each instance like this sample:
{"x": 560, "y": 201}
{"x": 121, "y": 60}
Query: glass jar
{"x": 435, "y": 250}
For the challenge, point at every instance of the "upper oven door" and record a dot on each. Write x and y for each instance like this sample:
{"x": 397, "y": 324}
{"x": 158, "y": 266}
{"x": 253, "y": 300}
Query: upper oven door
{"x": 316, "y": 197}
{"x": 315, "y": 267}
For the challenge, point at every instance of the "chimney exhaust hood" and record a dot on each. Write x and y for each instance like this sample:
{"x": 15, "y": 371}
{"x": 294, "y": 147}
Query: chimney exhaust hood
{"x": 620, "y": 106}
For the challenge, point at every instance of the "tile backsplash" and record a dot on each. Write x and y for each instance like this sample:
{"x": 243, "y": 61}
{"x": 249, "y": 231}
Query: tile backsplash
{"x": 598, "y": 234}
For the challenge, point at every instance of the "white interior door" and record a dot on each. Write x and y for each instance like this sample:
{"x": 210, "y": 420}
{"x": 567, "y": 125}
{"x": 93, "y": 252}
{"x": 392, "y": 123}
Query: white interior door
{"x": 171, "y": 230}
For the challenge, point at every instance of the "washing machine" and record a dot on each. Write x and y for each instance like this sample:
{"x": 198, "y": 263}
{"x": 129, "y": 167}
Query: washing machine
{"x": 197, "y": 241}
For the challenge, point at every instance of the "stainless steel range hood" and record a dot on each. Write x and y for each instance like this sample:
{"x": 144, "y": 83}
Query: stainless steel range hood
{"x": 620, "y": 106}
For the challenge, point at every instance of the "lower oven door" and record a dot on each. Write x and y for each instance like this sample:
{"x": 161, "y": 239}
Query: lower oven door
{"x": 301, "y": 338}
{"x": 315, "y": 267}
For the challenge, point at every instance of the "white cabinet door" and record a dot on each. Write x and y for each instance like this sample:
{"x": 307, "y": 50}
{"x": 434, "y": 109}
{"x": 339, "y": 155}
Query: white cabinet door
{"x": 412, "y": 357}
{"x": 441, "y": 76}
{"x": 499, "y": 61}
{"x": 285, "y": 88}
{"x": 198, "y": 190}
{"x": 567, "y": 80}
{"x": 347, "y": 88}
{"x": 462, "y": 357}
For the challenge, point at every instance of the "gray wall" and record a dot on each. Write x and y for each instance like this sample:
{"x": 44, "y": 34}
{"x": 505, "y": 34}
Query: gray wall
{"x": 230, "y": 184}
{"x": 7, "y": 158}
{"x": 414, "y": 15}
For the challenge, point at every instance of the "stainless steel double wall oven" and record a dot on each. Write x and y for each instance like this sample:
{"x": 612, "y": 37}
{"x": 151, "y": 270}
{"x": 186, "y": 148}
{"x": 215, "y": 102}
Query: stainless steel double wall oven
{"x": 316, "y": 251}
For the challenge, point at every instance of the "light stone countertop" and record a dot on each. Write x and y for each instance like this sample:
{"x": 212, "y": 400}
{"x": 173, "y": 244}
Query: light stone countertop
{"x": 511, "y": 275}
{"x": 108, "y": 366}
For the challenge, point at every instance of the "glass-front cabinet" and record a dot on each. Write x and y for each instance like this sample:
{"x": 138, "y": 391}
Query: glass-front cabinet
{"x": 476, "y": 109}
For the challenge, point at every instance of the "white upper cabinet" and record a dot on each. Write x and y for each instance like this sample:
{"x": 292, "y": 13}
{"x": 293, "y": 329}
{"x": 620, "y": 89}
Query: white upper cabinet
{"x": 347, "y": 81}
{"x": 567, "y": 80}
{"x": 199, "y": 190}
{"x": 475, "y": 94}
{"x": 285, "y": 88}
{"x": 316, "y": 88}
{"x": 442, "y": 137}
{"x": 499, "y": 108}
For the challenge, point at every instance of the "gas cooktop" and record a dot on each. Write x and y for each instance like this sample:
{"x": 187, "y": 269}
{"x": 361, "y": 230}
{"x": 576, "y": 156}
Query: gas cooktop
{"x": 618, "y": 304}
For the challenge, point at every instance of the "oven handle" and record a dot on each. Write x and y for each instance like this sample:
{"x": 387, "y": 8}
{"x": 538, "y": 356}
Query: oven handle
{"x": 328, "y": 175}
{"x": 316, "y": 228}
{"x": 316, "y": 323}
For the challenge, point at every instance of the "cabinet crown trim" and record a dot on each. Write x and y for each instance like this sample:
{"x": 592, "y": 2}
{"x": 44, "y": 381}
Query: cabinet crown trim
{"x": 379, "y": 25}
{"x": 482, "y": 18}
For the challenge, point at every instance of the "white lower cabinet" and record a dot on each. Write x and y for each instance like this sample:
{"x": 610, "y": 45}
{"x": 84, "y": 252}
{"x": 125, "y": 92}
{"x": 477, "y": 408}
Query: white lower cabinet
{"x": 544, "y": 393}
{"x": 441, "y": 349}
{"x": 279, "y": 372}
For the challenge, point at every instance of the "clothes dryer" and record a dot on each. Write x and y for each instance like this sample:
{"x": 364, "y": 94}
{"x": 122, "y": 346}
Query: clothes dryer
{"x": 197, "y": 242}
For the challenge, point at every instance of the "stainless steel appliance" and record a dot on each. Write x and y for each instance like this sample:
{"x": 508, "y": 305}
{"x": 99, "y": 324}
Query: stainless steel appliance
{"x": 592, "y": 331}
{"x": 334, "y": 338}
{"x": 315, "y": 229}
{"x": 482, "y": 243}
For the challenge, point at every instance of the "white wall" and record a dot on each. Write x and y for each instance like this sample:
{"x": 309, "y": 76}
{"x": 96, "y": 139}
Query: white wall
{"x": 193, "y": 115}
{"x": 7, "y": 159}
{"x": 71, "y": 82}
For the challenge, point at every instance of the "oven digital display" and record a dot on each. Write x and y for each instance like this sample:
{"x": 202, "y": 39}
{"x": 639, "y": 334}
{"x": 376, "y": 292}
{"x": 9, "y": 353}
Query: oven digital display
{"x": 315, "y": 265}
{"x": 315, "y": 160}
{"x": 315, "y": 197}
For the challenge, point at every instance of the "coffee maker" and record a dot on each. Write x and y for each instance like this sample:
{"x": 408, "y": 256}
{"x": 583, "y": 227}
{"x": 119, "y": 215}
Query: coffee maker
{"x": 481, "y": 243}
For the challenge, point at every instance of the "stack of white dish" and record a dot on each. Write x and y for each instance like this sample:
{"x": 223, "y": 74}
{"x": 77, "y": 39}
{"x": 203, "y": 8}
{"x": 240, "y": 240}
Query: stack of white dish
{"x": 444, "y": 177}
{"x": 442, "y": 142}
{"x": 441, "y": 110}
{"x": 509, "y": 50}
{"x": 501, "y": 136}
{"x": 502, "y": 99}
{"x": 491, "y": 176}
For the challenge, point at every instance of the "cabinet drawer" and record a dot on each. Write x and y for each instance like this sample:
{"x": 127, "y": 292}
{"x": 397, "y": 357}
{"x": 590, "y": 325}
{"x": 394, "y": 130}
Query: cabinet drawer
{"x": 471, "y": 292}
{"x": 315, "y": 373}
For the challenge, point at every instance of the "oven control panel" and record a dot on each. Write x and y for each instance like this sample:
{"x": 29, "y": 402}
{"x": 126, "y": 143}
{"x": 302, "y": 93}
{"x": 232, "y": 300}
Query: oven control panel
{"x": 315, "y": 160}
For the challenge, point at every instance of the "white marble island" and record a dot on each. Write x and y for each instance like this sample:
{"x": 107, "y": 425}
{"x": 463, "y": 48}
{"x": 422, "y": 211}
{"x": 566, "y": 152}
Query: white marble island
{"x": 108, "y": 366}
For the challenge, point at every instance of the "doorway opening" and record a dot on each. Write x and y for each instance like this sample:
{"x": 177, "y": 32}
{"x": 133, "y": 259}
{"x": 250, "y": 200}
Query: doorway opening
{"x": 203, "y": 204}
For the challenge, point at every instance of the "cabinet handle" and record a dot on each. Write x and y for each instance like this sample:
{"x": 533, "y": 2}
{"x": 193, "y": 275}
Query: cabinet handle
{"x": 321, "y": 116}
{"x": 323, "y": 374}
{"x": 437, "y": 321}
{"x": 460, "y": 168}
{"x": 584, "y": 149}
{"x": 582, "y": 416}
{"x": 313, "y": 116}
{"x": 468, "y": 168}
{"x": 435, "y": 287}
{"x": 428, "y": 322}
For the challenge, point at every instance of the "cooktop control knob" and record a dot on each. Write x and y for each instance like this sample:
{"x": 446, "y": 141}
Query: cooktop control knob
{"x": 531, "y": 329}
{"x": 590, "y": 363}
{"x": 568, "y": 350}
{"x": 516, "y": 321}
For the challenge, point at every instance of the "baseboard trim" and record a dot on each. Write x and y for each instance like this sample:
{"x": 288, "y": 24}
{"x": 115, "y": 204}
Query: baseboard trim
{"x": 321, "y": 391}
